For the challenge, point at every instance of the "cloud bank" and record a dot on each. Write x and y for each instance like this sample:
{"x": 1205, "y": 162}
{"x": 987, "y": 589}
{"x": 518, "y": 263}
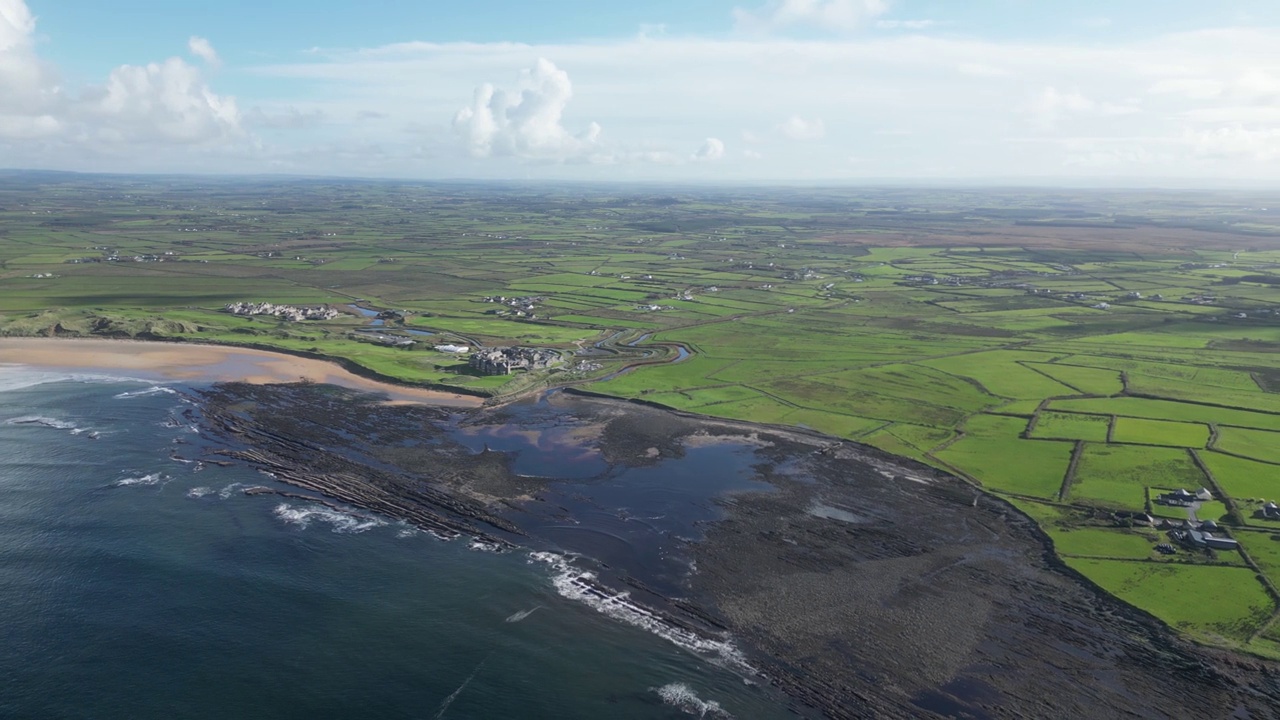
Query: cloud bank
{"x": 804, "y": 86}
{"x": 838, "y": 15}
{"x": 137, "y": 106}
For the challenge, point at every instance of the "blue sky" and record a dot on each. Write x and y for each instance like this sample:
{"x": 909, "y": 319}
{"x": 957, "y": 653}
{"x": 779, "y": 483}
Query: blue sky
{"x": 1139, "y": 91}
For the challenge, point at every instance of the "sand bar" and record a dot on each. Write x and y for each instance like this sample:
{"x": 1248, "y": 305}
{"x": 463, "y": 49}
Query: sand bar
{"x": 192, "y": 362}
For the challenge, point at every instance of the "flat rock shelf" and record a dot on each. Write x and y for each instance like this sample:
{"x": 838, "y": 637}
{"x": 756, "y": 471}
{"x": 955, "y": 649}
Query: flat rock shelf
{"x": 859, "y": 584}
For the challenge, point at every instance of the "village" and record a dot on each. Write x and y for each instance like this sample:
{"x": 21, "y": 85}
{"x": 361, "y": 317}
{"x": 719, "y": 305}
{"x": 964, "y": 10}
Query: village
{"x": 288, "y": 313}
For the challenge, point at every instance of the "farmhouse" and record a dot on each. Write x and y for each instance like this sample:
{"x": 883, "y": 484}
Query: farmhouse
{"x": 1182, "y": 498}
{"x": 1270, "y": 511}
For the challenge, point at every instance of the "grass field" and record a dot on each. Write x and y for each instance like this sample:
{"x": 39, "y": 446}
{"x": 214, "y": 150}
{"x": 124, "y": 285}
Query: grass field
{"x": 1254, "y": 444}
{"x": 1244, "y": 479}
{"x": 1118, "y": 475}
{"x": 954, "y": 328}
{"x": 1160, "y": 432}
{"x": 1216, "y": 604}
{"x": 1071, "y": 426}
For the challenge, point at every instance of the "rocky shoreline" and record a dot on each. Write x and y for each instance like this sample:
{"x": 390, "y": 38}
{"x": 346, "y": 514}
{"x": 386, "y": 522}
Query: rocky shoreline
{"x": 859, "y": 585}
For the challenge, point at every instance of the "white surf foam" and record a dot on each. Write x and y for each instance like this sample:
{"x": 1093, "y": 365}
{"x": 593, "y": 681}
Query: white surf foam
{"x": 199, "y": 492}
{"x": 683, "y": 698}
{"x": 153, "y": 390}
{"x": 517, "y": 617}
{"x": 339, "y": 522}
{"x": 576, "y": 584}
{"x": 48, "y": 422}
{"x": 482, "y": 546}
{"x": 23, "y": 377}
{"x": 144, "y": 480}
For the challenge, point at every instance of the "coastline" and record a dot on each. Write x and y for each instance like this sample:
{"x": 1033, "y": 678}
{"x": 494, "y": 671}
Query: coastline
{"x": 192, "y": 362}
{"x": 820, "y": 577}
{"x": 865, "y": 577}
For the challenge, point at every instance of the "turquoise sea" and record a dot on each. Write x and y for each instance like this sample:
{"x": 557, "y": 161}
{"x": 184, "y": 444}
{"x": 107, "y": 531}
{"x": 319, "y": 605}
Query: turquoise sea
{"x": 136, "y": 582}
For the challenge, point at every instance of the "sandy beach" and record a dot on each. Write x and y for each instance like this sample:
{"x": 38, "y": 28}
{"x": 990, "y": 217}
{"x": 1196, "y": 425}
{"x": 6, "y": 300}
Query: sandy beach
{"x": 209, "y": 363}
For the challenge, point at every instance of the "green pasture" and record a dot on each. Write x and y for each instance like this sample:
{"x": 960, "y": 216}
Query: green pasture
{"x": 1210, "y": 603}
{"x": 1137, "y": 431}
{"x": 1071, "y": 426}
{"x": 1118, "y": 475}
{"x": 1244, "y": 479}
{"x": 1168, "y": 410}
{"x": 1255, "y": 444}
{"x": 1087, "y": 380}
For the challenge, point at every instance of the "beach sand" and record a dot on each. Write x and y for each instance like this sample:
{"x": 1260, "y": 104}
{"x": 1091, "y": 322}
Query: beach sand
{"x": 209, "y": 363}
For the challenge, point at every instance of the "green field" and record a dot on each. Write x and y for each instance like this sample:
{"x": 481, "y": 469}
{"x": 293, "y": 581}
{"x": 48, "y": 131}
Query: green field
{"x": 1216, "y": 604}
{"x": 1137, "y": 431}
{"x": 1254, "y": 444}
{"x": 1071, "y": 426}
{"x": 957, "y": 329}
{"x": 1118, "y": 475}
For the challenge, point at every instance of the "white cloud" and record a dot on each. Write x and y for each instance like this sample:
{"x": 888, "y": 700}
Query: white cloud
{"x": 17, "y": 25}
{"x": 798, "y": 128}
{"x": 711, "y": 150}
{"x": 166, "y": 101}
{"x": 984, "y": 70}
{"x": 1051, "y": 105}
{"x": 203, "y": 49}
{"x": 154, "y": 104}
{"x": 1236, "y": 142}
{"x": 905, "y": 24}
{"x": 289, "y": 118}
{"x": 27, "y": 87}
{"x": 752, "y": 155}
{"x": 837, "y": 15}
{"x": 527, "y": 123}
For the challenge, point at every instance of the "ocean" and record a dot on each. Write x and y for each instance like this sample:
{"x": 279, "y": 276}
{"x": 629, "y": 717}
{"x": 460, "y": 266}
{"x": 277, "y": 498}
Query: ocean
{"x": 138, "y": 582}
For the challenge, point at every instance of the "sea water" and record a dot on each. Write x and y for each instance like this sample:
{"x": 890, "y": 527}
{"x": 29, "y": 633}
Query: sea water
{"x": 138, "y": 582}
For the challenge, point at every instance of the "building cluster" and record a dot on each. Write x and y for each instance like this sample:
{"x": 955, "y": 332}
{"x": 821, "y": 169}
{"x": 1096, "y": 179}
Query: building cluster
{"x": 521, "y": 307}
{"x": 284, "y": 312}
{"x": 506, "y": 360}
{"x": 1202, "y": 537}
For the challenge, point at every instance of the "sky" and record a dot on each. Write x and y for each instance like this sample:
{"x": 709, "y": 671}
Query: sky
{"x": 1139, "y": 92}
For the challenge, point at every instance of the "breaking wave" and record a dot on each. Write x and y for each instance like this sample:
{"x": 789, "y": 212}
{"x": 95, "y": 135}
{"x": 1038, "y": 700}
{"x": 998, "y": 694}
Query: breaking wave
{"x": 224, "y": 493}
{"x": 481, "y": 546}
{"x": 339, "y": 522}
{"x": 144, "y": 480}
{"x": 153, "y": 390}
{"x": 517, "y": 617}
{"x": 44, "y": 422}
{"x": 576, "y": 584}
{"x": 22, "y": 377}
{"x": 682, "y": 697}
